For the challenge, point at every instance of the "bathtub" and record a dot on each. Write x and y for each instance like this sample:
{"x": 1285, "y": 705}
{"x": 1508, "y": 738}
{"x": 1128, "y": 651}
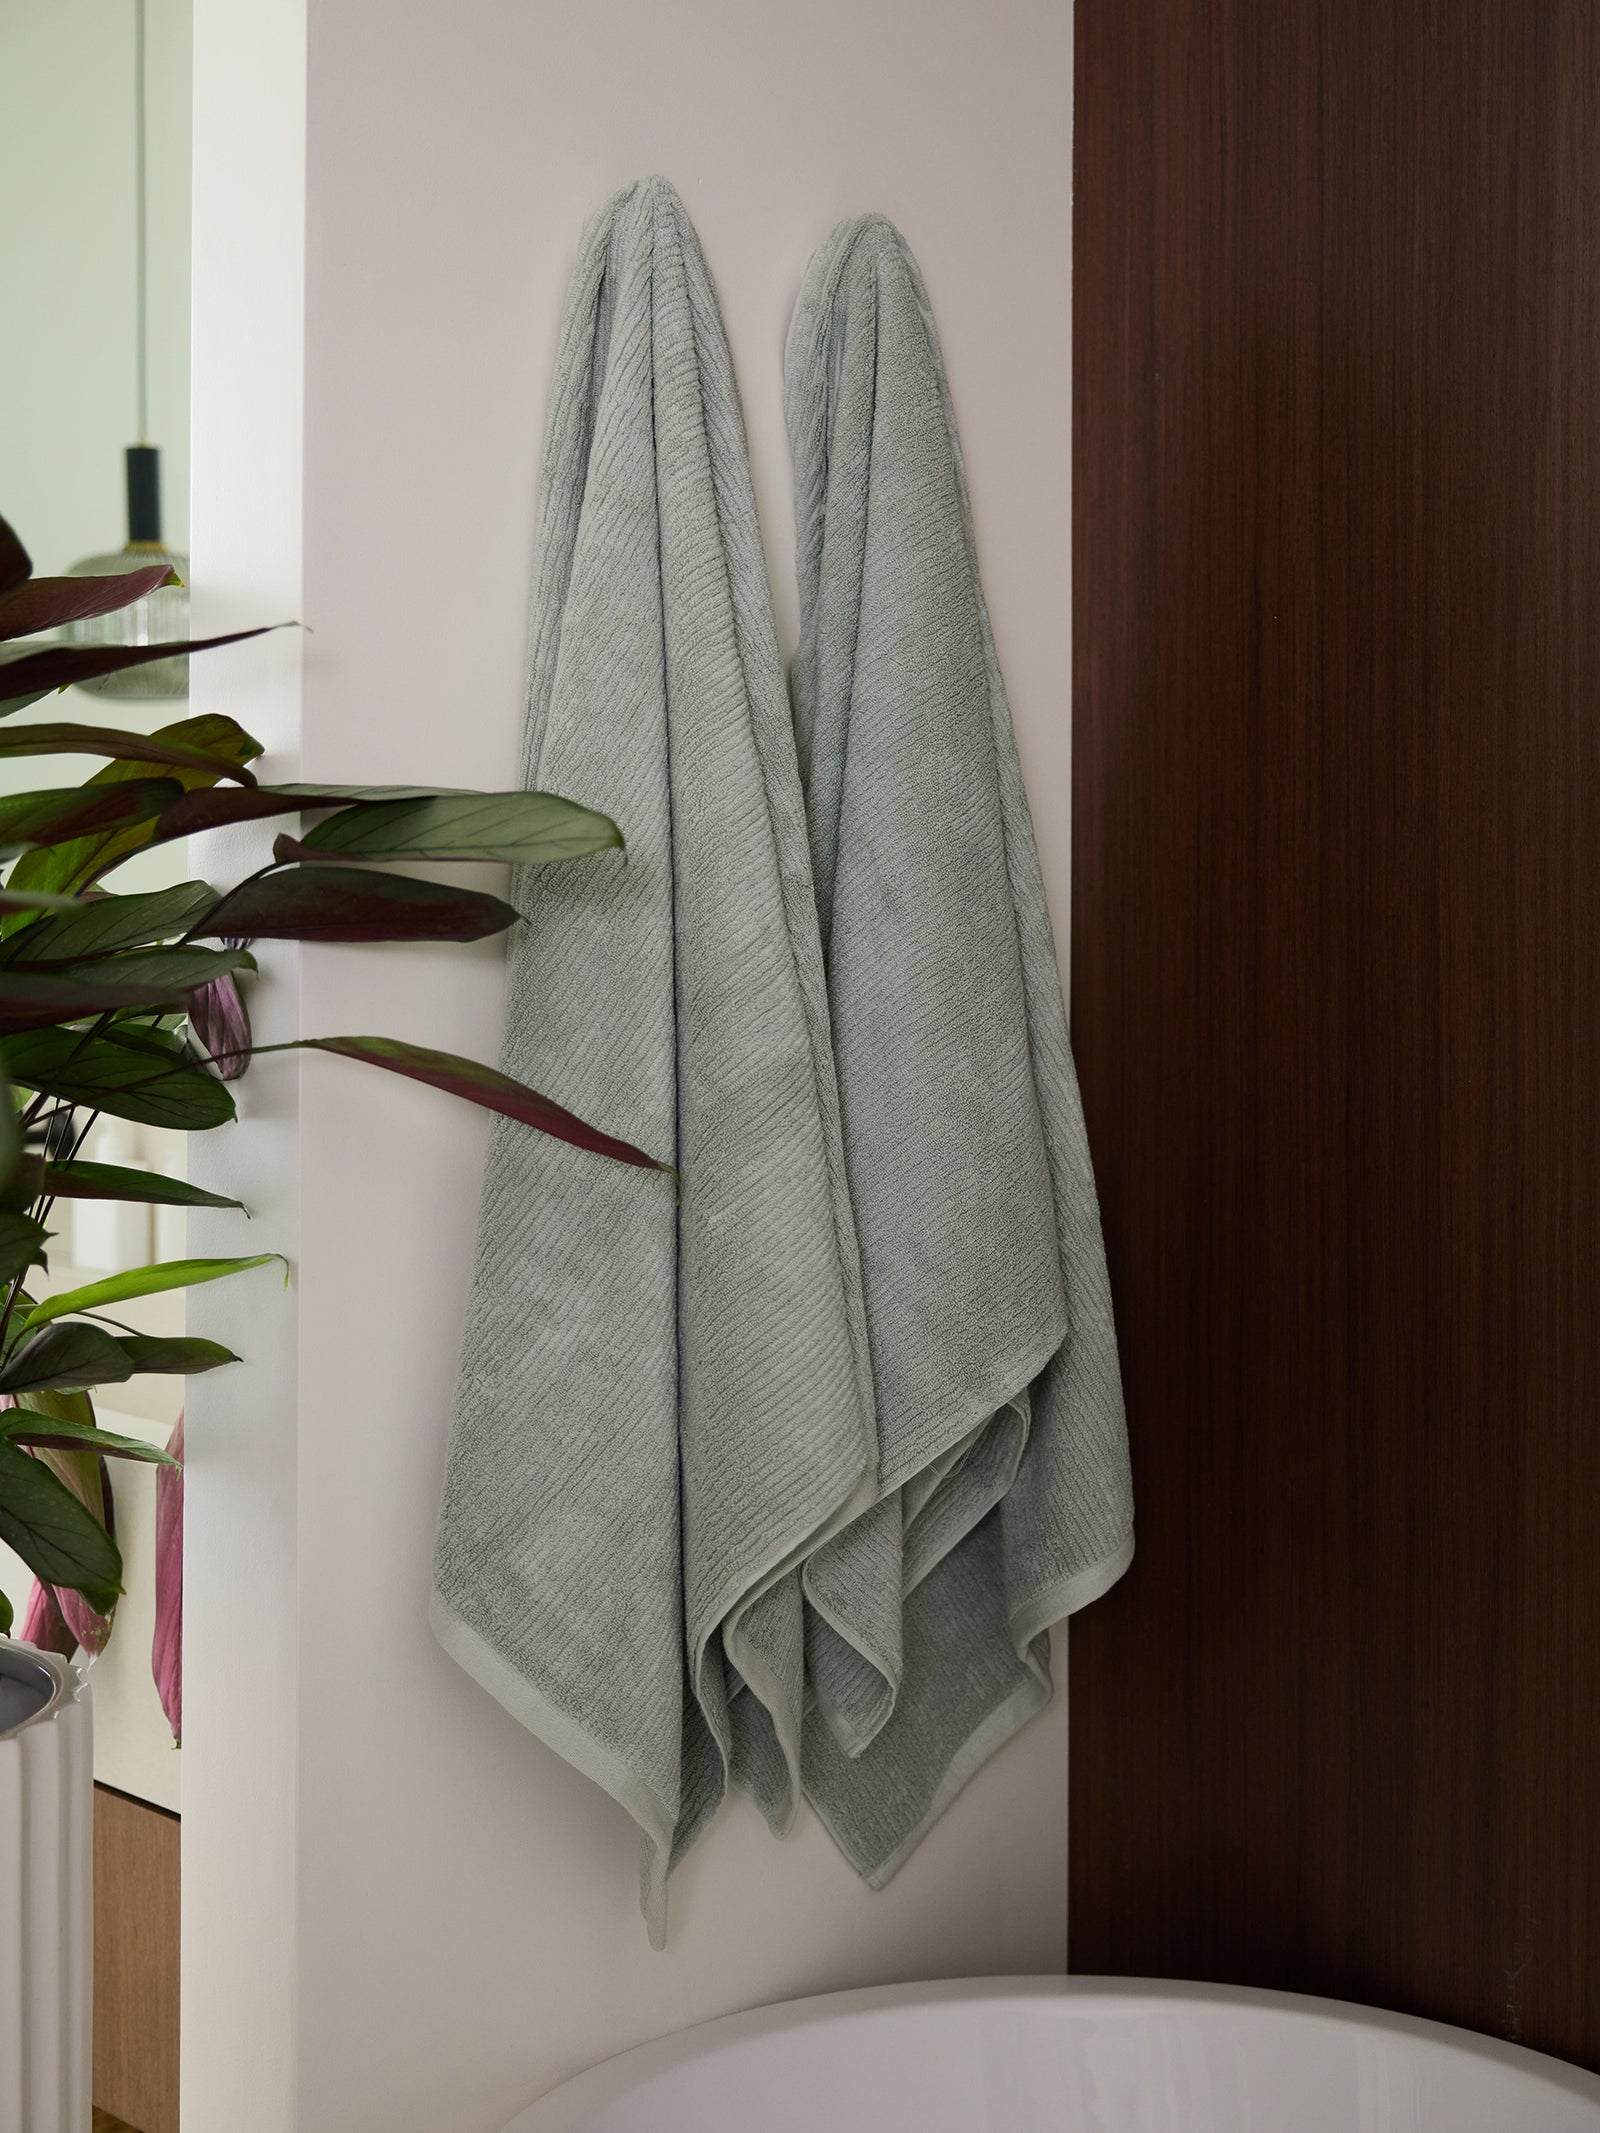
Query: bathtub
{"x": 1071, "y": 2055}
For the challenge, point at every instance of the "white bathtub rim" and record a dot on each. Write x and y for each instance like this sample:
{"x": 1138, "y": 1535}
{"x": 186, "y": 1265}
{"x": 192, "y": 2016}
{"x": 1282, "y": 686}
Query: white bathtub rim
{"x": 565, "y": 2108}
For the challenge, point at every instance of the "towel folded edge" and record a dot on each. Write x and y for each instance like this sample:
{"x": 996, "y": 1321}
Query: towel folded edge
{"x": 1075, "y": 1592}
{"x": 984, "y": 1742}
{"x": 532, "y": 1709}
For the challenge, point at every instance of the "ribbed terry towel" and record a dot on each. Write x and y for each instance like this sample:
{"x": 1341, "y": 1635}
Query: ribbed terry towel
{"x": 1006, "y": 1501}
{"x": 663, "y": 1405}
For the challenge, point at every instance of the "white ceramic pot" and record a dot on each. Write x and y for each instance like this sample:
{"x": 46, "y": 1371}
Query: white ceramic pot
{"x": 46, "y": 1892}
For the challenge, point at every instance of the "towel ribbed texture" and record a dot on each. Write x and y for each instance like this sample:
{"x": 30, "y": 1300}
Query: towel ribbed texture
{"x": 784, "y": 1478}
{"x": 1006, "y": 1501}
{"x": 662, "y": 1406}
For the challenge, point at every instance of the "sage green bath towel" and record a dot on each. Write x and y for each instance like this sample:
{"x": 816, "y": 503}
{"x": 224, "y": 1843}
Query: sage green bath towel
{"x": 1005, "y": 1500}
{"x": 663, "y": 1406}
{"x": 785, "y": 1479}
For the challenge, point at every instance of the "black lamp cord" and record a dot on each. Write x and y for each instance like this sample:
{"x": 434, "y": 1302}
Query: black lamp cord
{"x": 142, "y": 233}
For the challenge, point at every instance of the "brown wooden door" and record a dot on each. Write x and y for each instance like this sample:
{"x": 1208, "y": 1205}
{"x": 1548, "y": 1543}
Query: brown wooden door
{"x": 1336, "y": 988}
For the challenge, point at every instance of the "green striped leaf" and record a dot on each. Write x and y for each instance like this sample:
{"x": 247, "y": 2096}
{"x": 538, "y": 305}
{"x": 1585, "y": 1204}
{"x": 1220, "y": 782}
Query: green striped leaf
{"x": 145, "y": 1281}
{"x": 40, "y": 1433}
{"x": 525, "y": 828}
{"x": 130, "y": 1074}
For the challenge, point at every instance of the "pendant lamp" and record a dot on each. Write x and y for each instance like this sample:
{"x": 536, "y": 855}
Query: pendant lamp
{"x": 160, "y": 616}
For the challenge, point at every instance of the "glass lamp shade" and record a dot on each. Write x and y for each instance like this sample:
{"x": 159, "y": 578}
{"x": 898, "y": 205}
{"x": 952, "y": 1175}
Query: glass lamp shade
{"x": 161, "y": 617}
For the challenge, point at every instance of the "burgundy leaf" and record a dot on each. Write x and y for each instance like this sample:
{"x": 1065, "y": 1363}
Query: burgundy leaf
{"x": 91, "y": 1630}
{"x": 58, "y": 666}
{"x": 45, "y": 1625}
{"x": 480, "y": 1085}
{"x": 214, "y": 810}
{"x": 343, "y": 903}
{"x": 124, "y": 747}
{"x": 81, "y": 861}
{"x": 47, "y": 603}
{"x": 35, "y": 1001}
{"x": 217, "y": 809}
{"x": 60, "y": 1440}
{"x": 166, "y": 1650}
{"x": 286, "y": 850}
{"x": 16, "y": 565}
{"x": 221, "y": 1022}
{"x": 60, "y": 813}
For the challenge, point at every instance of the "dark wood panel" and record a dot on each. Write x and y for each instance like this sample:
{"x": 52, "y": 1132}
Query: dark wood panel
{"x": 1336, "y": 999}
{"x": 136, "y": 1889}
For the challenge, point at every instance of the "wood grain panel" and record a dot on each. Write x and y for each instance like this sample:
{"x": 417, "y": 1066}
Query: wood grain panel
{"x": 1336, "y": 999}
{"x": 136, "y": 1890}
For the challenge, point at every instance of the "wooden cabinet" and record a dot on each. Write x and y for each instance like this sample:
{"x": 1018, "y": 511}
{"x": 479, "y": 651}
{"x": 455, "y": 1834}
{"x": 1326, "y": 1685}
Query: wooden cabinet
{"x": 1336, "y": 994}
{"x": 135, "y": 1963}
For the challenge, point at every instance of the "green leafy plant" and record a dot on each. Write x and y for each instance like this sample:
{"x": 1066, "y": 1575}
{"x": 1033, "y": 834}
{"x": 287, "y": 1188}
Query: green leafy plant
{"x": 128, "y": 1004}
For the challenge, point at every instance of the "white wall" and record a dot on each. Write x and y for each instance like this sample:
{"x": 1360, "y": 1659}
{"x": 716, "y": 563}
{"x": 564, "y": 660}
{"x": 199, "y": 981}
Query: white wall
{"x": 242, "y": 1866}
{"x": 463, "y": 1907}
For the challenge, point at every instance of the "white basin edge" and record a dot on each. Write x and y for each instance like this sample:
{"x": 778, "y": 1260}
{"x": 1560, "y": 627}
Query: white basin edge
{"x": 565, "y": 2107}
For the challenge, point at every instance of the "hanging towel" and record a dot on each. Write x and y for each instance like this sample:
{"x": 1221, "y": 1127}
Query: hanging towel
{"x": 664, "y": 1403}
{"x": 1005, "y": 1499}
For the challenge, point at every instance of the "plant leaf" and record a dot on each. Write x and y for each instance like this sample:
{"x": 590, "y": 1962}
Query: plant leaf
{"x": 10, "y": 1124}
{"x": 84, "y": 1475}
{"x": 30, "y": 1001}
{"x": 109, "y": 1181}
{"x": 101, "y": 924}
{"x": 32, "y": 674}
{"x": 22, "y": 1242}
{"x": 166, "y": 1646}
{"x": 144, "y": 1281}
{"x": 41, "y": 1433}
{"x": 339, "y": 903}
{"x": 529, "y": 825}
{"x": 217, "y": 810}
{"x": 64, "y": 1359}
{"x": 184, "y": 1355}
{"x": 56, "y": 1537}
{"x": 48, "y": 603}
{"x": 480, "y": 1085}
{"x": 21, "y": 1188}
{"x": 6, "y": 1616}
{"x": 75, "y": 865}
{"x": 121, "y": 1073}
{"x": 45, "y": 1624}
{"x": 220, "y": 1022}
{"x": 67, "y": 739}
{"x": 526, "y": 828}
{"x": 60, "y": 1406}
{"x": 175, "y": 971}
{"x": 16, "y": 565}
{"x": 36, "y": 899}
{"x": 363, "y": 795}
{"x": 76, "y": 811}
